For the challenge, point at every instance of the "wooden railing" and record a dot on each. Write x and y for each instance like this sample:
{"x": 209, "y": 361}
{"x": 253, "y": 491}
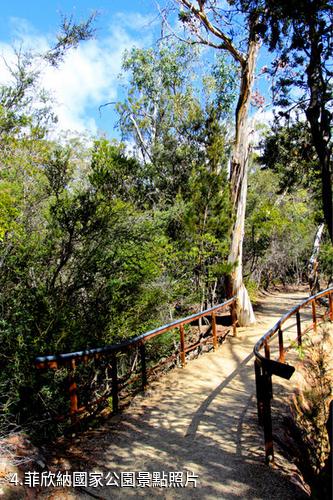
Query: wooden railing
{"x": 265, "y": 367}
{"x": 110, "y": 355}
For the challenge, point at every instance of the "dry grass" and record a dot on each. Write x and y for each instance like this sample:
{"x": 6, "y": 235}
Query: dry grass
{"x": 310, "y": 406}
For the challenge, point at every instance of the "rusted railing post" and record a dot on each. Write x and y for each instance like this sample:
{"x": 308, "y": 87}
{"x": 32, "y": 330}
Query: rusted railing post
{"x": 314, "y": 316}
{"x": 264, "y": 367}
{"x": 259, "y": 390}
{"x": 142, "y": 348}
{"x": 114, "y": 388}
{"x": 72, "y": 391}
{"x": 234, "y": 318}
{"x": 182, "y": 344}
{"x": 70, "y": 360}
{"x": 281, "y": 349}
{"x": 268, "y": 356}
{"x": 299, "y": 329}
{"x": 267, "y": 417}
{"x": 264, "y": 396}
{"x": 214, "y": 331}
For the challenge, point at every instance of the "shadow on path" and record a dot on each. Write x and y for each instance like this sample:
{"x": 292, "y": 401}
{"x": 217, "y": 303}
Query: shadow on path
{"x": 199, "y": 419}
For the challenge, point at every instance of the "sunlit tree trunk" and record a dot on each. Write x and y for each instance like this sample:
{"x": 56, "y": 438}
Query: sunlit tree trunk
{"x": 212, "y": 22}
{"x": 313, "y": 262}
{"x": 238, "y": 183}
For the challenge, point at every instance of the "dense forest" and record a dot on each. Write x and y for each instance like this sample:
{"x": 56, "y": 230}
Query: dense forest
{"x": 103, "y": 239}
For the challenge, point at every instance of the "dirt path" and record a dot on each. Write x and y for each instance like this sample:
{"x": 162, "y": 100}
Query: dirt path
{"x": 200, "y": 419}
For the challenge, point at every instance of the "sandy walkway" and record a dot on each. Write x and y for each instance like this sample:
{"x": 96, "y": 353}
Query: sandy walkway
{"x": 200, "y": 419}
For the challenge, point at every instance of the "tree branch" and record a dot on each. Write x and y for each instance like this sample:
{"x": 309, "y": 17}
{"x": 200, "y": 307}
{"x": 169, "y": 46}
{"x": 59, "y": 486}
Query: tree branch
{"x": 137, "y": 130}
{"x": 226, "y": 41}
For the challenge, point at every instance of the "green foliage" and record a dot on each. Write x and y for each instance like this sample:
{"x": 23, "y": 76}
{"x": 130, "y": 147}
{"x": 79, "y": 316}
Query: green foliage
{"x": 87, "y": 277}
{"x": 280, "y": 228}
{"x": 9, "y": 211}
{"x": 175, "y": 116}
{"x": 116, "y": 175}
{"x": 288, "y": 151}
{"x": 252, "y": 288}
{"x": 326, "y": 262}
{"x": 98, "y": 245}
{"x": 90, "y": 266}
{"x": 70, "y": 35}
{"x": 300, "y": 31}
{"x": 25, "y": 109}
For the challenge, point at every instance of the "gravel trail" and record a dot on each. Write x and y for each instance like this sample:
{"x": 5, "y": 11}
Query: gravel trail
{"x": 198, "y": 420}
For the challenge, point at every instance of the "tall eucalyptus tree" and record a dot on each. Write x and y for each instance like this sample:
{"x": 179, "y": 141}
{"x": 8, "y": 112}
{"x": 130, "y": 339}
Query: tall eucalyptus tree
{"x": 214, "y": 26}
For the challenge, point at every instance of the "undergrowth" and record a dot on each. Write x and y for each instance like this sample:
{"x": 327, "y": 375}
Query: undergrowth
{"x": 311, "y": 407}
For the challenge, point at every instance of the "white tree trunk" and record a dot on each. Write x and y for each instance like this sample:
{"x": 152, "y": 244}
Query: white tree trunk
{"x": 239, "y": 160}
{"x": 245, "y": 314}
{"x": 313, "y": 262}
{"x": 238, "y": 180}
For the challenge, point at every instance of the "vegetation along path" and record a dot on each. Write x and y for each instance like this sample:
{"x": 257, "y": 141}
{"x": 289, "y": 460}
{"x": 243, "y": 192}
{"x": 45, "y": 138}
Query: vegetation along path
{"x": 199, "y": 419}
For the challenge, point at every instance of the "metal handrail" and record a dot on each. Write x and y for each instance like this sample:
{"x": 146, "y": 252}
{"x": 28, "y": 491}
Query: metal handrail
{"x": 265, "y": 367}
{"x": 70, "y": 359}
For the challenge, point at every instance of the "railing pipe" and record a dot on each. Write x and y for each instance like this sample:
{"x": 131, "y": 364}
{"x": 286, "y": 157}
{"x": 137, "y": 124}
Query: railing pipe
{"x": 260, "y": 391}
{"x": 314, "y": 316}
{"x": 234, "y": 318}
{"x": 70, "y": 359}
{"x": 214, "y": 331}
{"x": 42, "y": 361}
{"x": 299, "y": 328}
{"x": 266, "y": 367}
{"x": 182, "y": 344}
{"x": 281, "y": 349}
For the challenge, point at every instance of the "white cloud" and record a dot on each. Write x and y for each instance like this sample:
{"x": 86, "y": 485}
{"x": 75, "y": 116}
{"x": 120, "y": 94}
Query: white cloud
{"x": 137, "y": 21}
{"x": 85, "y": 79}
{"x": 88, "y": 75}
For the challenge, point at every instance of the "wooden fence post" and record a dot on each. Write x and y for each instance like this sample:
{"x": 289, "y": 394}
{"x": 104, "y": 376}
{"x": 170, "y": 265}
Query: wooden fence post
{"x": 299, "y": 329}
{"x": 281, "y": 349}
{"x": 214, "y": 331}
{"x": 182, "y": 344}
{"x": 234, "y": 318}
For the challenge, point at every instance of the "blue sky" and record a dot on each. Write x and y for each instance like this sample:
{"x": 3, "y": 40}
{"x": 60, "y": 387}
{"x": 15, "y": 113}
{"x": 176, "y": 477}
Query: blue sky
{"x": 89, "y": 75}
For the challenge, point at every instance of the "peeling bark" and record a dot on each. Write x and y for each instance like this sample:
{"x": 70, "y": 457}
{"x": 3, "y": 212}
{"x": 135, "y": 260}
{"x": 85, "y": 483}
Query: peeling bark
{"x": 240, "y": 155}
{"x": 238, "y": 182}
